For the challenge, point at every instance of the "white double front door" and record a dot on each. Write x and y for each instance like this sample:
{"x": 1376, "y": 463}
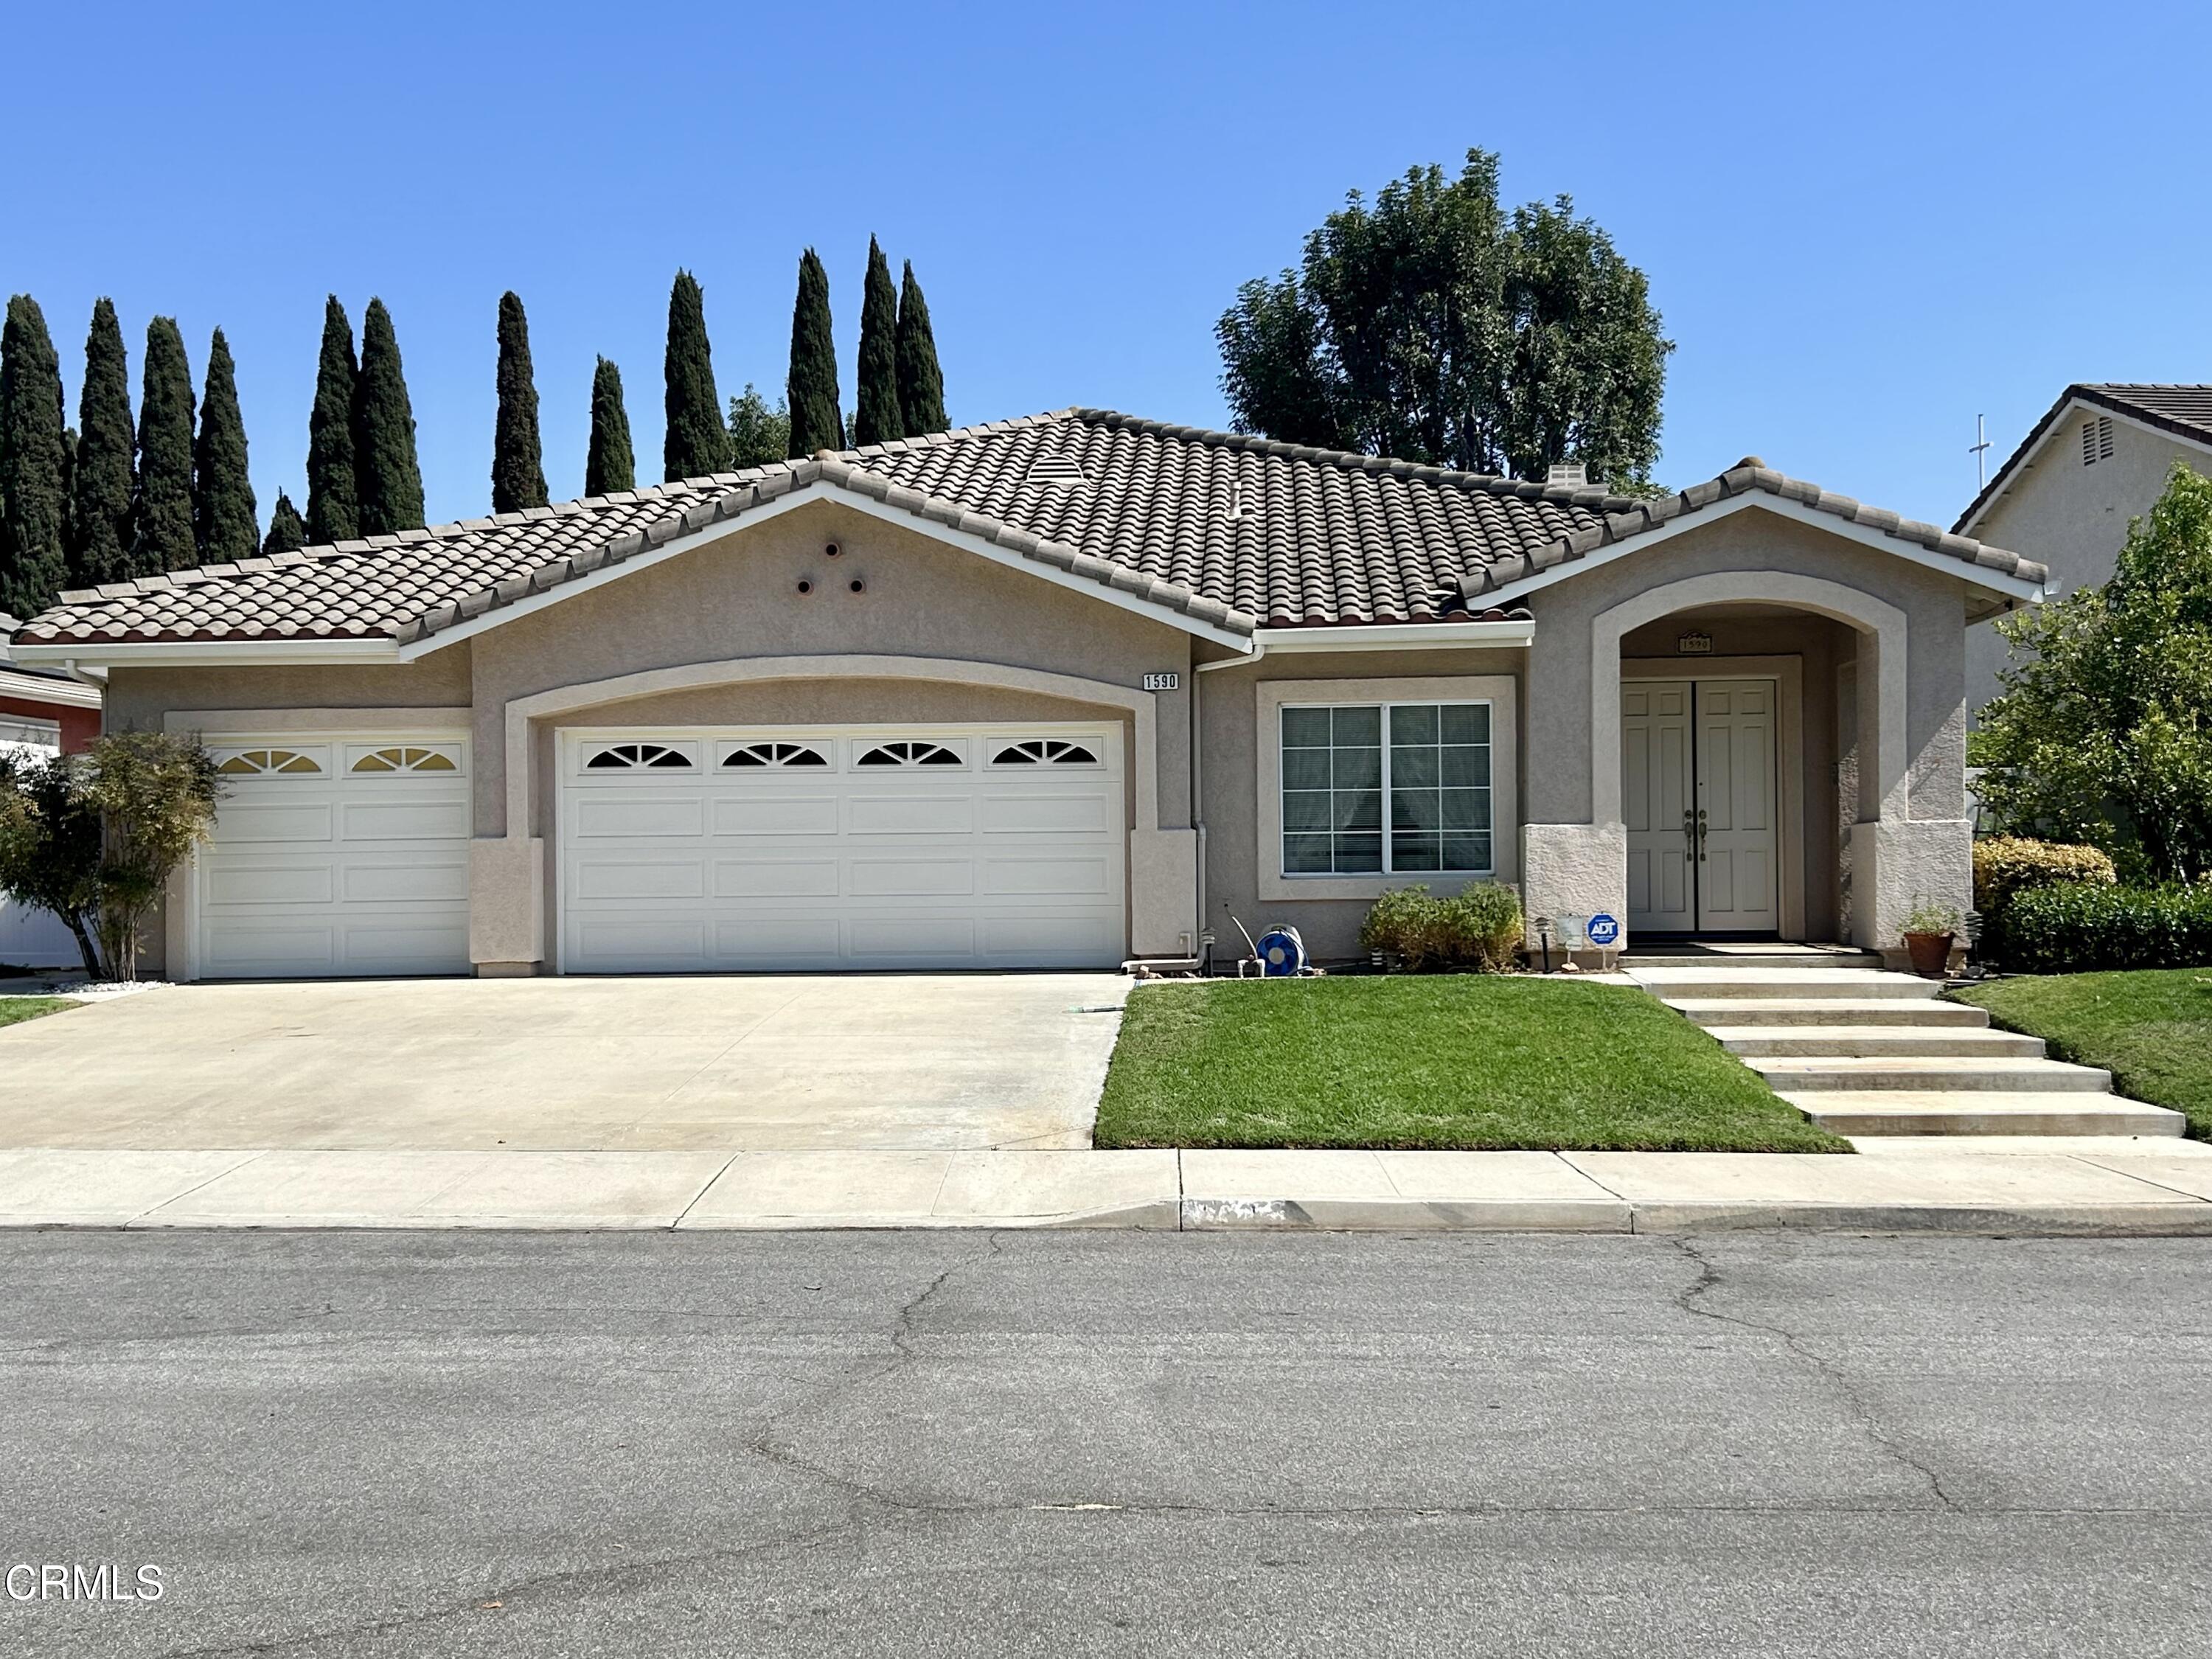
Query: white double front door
{"x": 1697, "y": 792}
{"x": 702, "y": 850}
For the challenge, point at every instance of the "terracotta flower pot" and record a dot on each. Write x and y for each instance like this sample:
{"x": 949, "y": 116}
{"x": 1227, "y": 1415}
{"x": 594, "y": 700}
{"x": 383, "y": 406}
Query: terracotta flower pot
{"x": 1930, "y": 954}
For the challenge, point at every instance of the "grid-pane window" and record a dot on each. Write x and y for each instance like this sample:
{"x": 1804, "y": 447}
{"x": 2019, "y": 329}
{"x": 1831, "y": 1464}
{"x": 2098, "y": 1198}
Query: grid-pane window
{"x": 1388, "y": 788}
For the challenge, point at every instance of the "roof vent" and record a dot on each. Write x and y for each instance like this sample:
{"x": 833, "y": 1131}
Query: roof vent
{"x": 1057, "y": 472}
{"x": 2097, "y": 440}
{"x": 1566, "y": 475}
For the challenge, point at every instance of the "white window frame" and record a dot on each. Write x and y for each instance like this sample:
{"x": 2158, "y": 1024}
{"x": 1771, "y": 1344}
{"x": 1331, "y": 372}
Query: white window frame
{"x": 1499, "y": 691}
{"x": 1383, "y": 711}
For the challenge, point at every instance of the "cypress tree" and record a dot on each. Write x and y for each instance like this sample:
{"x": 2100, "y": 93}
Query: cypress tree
{"x": 518, "y": 465}
{"x": 921, "y": 387}
{"x": 34, "y": 458}
{"x": 697, "y": 443}
{"x": 610, "y": 465}
{"x": 386, "y": 471}
{"x": 224, "y": 525}
{"x": 288, "y": 531}
{"x": 99, "y": 483}
{"x": 333, "y": 492}
{"x": 877, "y": 420}
{"x": 161, "y": 513}
{"x": 811, "y": 390}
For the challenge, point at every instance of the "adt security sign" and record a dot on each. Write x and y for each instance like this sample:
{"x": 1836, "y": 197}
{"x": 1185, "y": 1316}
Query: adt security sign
{"x": 1604, "y": 930}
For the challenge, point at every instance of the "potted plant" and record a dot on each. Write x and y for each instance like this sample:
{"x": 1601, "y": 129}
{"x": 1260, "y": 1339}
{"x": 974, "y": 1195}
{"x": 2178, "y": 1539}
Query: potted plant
{"x": 1929, "y": 931}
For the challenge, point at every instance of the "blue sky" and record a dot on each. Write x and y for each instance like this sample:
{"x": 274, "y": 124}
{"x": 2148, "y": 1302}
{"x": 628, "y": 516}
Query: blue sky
{"x": 1864, "y": 228}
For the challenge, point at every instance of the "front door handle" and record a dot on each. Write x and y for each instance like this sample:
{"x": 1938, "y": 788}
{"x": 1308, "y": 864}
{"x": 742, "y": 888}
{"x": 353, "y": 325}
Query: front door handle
{"x": 1702, "y": 828}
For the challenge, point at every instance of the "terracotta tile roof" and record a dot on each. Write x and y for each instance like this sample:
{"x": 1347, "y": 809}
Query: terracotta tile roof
{"x": 1235, "y": 531}
{"x": 2184, "y": 411}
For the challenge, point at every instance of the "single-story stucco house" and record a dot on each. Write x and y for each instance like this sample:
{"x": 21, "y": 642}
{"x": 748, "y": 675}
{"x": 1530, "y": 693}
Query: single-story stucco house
{"x": 1050, "y": 692}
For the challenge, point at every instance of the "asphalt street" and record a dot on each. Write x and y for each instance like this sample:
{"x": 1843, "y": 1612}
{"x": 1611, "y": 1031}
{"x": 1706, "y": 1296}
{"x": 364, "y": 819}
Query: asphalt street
{"x": 914, "y": 1443}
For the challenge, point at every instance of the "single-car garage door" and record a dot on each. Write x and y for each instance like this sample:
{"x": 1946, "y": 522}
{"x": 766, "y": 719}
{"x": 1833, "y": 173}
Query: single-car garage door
{"x": 336, "y": 855}
{"x": 691, "y": 850}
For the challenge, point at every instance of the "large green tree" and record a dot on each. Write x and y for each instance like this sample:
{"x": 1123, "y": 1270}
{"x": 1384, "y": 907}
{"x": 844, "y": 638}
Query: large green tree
{"x": 101, "y": 477}
{"x": 161, "y": 512}
{"x": 610, "y": 464}
{"x": 2103, "y": 732}
{"x": 696, "y": 442}
{"x": 385, "y": 469}
{"x": 33, "y": 463}
{"x": 1438, "y": 327}
{"x": 816, "y": 420}
{"x": 288, "y": 531}
{"x": 518, "y": 464}
{"x": 921, "y": 383}
{"x": 877, "y": 420}
{"x": 333, "y": 491}
{"x": 759, "y": 436}
{"x": 225, "y": 521}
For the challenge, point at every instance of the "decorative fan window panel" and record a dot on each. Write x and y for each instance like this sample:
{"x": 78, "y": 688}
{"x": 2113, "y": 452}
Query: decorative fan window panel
{"x": 910, "y": 754}
{"x": 636, "y": 756}
{"x": 1045, "y": 751}
{"x": 775, "y": 754}
{"x": 262, "y": 762}
{"x": 406, "y": 757}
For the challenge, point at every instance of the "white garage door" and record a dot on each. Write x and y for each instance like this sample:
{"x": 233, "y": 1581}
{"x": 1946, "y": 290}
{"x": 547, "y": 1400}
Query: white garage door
{"x": 688, "y": 851}
{"x": 336, "y": 855}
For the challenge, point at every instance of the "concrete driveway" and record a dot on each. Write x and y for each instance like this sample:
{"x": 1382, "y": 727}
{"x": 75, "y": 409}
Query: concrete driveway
{"x": 677, "y": 1065}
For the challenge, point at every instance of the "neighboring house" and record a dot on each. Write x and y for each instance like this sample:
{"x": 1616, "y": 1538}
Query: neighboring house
{"x": 42, "y": 712}
{"x": 1054, "y": 692}
{"x": 2099, "y": 457}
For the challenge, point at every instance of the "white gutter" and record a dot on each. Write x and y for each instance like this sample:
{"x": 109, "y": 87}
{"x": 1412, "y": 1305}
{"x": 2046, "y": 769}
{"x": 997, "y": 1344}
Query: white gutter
{"x": 1259, "y": 649}
{"x": 71, "y": 693}
{"x": 274, "y": 652}
{"x": 1396, "y": 636}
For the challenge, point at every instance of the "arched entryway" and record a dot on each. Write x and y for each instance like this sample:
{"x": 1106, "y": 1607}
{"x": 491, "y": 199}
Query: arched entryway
{"x": 1748, "y": 742}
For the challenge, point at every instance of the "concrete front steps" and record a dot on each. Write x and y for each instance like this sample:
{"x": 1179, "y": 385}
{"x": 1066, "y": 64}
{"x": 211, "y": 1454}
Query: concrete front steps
{"x": 1865, "y": 1052}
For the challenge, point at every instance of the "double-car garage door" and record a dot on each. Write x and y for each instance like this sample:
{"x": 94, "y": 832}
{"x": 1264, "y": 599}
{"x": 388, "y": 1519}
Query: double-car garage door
{"x": 879, "y": 847}
{"x": 682, "y": 850}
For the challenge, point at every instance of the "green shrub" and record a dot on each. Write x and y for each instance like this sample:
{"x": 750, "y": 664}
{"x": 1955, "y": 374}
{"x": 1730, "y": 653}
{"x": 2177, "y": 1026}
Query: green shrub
{"x": 2006, "y": 865}
{"x": 2082, "y": 926}
{"x": 1479, "y": 928}
{"x": 1482, "y": 927}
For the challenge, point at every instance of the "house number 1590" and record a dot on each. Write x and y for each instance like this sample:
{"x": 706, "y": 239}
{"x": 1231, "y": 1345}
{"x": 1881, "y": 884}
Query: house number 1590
{"x": 1163, "y": 682}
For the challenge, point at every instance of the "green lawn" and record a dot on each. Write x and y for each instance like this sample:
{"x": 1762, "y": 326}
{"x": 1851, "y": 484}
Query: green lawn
{"x": 1454, "y": 1061}
{"x": 15, "y": 1010}
{"x": 2151, "y": 1028}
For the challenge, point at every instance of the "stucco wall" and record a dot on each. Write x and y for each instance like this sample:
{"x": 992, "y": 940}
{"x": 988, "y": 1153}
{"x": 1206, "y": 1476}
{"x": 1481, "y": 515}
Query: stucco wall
{"x": 1229, "y": 748}
{"x": 2072, "y": 518}
{"x": 79, "y": 727}
{"x": 1560, "y": 677}
{"x": 738, "y": 598}
{"x": 138, "y": 699}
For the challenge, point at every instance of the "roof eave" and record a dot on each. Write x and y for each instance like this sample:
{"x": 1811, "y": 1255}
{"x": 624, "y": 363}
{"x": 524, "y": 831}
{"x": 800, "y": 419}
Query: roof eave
{"x": 1704, "y": 504}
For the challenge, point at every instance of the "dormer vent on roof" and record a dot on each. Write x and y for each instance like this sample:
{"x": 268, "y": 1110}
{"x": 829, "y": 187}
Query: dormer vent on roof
{"x": 1057, "y": 472}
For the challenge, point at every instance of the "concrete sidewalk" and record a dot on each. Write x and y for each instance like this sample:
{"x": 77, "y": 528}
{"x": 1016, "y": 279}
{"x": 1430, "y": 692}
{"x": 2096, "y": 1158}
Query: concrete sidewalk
{"x": 2040, "y": 1185}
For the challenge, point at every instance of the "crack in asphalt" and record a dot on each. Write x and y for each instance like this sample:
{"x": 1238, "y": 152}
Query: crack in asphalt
{"x": 1856, "y": 1409}
{"x": 763, "y": 1445}
{"x": 573, "y": 1577}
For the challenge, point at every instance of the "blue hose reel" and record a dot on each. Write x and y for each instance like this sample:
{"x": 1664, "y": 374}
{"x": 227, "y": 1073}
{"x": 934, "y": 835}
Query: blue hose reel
{"x": 1282, "y": 953}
